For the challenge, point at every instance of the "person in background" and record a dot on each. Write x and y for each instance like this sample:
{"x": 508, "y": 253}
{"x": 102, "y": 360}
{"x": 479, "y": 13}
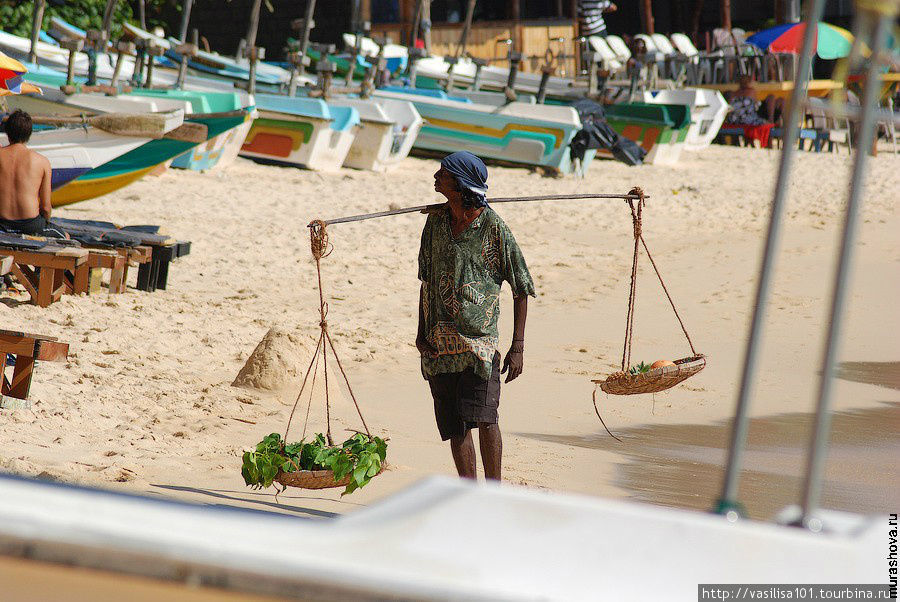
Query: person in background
{"x": 24, "y": 183}
{"x": 590, "y": 17}
{"x": 746, "y": 108}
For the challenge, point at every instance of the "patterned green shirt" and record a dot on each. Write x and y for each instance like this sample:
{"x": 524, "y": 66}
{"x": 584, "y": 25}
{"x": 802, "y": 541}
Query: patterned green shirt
{"x": 461, "y": 290}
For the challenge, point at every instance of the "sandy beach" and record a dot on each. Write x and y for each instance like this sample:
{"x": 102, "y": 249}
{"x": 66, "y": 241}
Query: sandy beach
{"x": 146, "y": 403}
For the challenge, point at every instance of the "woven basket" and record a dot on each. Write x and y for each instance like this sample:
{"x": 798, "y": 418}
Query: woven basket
{"x": 313, "y": 479}
{"x": 653, "y": 381}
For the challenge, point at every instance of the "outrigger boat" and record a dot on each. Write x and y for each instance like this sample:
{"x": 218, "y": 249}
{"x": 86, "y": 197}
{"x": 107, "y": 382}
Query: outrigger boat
{"x": 76, "y": 151}
{"x": 660, "y": 129}
{"x": 520, "y": 133}
{"x": 303, "y": 132}
{"x": 708, "y": 110}
{"x": 388, "y": 130}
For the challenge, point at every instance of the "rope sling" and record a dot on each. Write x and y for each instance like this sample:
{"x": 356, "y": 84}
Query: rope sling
{"x": 319, "y": 479}
{"x": 658, "y": 379}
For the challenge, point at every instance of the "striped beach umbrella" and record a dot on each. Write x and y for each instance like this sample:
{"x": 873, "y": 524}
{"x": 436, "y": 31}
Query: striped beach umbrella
{"x": 11, "y": 80}
{"x": 832, "y": 42}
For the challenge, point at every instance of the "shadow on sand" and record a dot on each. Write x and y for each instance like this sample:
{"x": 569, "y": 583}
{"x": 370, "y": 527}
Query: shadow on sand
{"x": 249, "y": 502}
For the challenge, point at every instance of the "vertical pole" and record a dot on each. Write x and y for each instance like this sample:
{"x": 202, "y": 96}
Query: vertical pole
{"x": 819, "y": 441}
{"x": 307, "y": 27}
{"x": 467, "y": 27}
{"x": 142, "y": 13}
{"x": 725, "y": 10}
{"x": 185, "y": 20}
{"x": 426, "y": 26}
{"x": 728, "y": 500}
{"x": 107, "y": 24}
{"x": 254, "y": 25}
{"x": 647, "y": 15}
{"x": 695, "y": 21}
{"x": 37, "y": 20}
{"x": 414, "y": 32}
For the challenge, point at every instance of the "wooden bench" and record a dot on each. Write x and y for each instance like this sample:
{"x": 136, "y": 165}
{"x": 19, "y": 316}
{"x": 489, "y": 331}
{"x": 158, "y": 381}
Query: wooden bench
{"x": 152, "y": 273}
{"x": 26, "y": 349}
{"x": 42, "y": 271}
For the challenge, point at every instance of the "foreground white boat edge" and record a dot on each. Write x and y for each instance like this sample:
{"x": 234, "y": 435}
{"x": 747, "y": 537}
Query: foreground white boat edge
{"x": 440, "y": 539}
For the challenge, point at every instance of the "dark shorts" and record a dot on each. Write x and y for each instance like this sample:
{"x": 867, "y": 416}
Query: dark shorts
{"x": 463, "y": 399}
{"x": 35, "y": 226}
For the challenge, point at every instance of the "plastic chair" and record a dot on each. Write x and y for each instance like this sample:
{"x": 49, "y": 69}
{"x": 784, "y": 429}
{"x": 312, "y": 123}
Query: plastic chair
{"x": 618, "y": 45}
{"x": 608, "y": 58}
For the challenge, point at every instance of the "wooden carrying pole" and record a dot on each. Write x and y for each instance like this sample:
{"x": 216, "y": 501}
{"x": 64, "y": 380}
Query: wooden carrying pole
{"x": 519, "y": 199}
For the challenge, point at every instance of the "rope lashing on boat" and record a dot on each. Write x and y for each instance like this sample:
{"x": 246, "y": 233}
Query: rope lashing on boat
{"x": 435, "y": 206}
{"x": 320, "y": 248}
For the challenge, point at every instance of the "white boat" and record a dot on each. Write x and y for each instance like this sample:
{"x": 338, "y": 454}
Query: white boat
{"x": 428, "y": 543}
{"x": 708, "y": 111}
{"x": 388, "y": 129}
{"x": 303, "y": 132}
{"x": 517, "y": 132}
{"x": 74, "y": 151}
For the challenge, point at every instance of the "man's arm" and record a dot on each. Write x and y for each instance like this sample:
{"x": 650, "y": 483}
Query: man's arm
{"x": 45, "y": 206}
{"x": 515, "y": 358}
{"x": 421, "y": 336}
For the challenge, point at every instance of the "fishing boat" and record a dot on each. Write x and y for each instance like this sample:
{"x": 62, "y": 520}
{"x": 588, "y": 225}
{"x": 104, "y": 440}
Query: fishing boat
{"x": 221, "y": 150}
{"x": 75, "y": 151}
{"x": 303, "y": 132}
{"x": 388, "y": 129}
{"x": 660, "y": 129}
{"x": 519, "y": 133}
{"x": 708, "y": 110}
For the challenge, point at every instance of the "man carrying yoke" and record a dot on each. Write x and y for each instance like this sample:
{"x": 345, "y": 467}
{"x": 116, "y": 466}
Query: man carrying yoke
{"x": 466, "y": 254}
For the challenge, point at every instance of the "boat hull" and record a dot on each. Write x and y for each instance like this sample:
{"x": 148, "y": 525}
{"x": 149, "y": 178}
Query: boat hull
{"x": 660, "y": 129}
{"x": 504, "y": 134}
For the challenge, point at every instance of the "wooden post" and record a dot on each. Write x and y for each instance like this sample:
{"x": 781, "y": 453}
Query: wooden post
{"x": 414, "y": 33}
{"x": 187, "y": 51}
{"x": 426, "y": 26}
{"x": 142, "y": 14}
{"x": 467, "y": 27}
{"x": 37, "y": 21}
{"x": 647, "y": 16}
{"x": 726, "y": 15}
{"x": 254, "y": 25}
{"x": 185, "y": 19}
{"x": 695, "y": 21}
{"x": 122, "y": 48}
{"x": 73, "y": 45}
{"x": 107, "y": 23}
{"x": 308, "y": 24}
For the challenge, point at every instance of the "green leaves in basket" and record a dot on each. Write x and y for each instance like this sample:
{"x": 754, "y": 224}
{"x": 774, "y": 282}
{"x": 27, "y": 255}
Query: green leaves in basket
{"x": 360, "y": 456}
{"x": 639, "y": 368}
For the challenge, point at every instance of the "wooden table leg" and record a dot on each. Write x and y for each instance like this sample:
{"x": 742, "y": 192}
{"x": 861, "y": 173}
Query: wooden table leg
{"x": 45, "y": 287}
{"x": 21, "y": 380}
{"x": 82, "y": 279}
{"x": 117, "y": 276}
{"x": 4, "y": 384}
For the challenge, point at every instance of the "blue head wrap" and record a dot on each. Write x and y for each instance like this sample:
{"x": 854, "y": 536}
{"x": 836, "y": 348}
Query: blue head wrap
{"x": 470, "y": 172}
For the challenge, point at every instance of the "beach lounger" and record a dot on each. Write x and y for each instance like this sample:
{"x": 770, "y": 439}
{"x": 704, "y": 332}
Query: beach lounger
{"x": 40, "y": 267}
{"x": 24, "y": 349}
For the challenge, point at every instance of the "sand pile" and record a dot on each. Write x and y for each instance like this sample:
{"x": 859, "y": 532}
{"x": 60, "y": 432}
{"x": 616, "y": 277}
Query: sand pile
{"x": 278, "y": 362}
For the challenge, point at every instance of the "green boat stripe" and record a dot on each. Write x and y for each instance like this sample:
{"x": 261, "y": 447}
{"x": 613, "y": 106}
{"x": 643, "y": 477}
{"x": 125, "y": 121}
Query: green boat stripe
{"x": 546, "y": 139}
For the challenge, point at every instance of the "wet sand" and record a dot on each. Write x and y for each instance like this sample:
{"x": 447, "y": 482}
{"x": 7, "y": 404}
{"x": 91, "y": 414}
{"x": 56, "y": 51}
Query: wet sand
{"x": 683, "y": 465}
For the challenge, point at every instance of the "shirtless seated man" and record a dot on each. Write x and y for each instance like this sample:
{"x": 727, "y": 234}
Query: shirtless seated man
{"x": 24, "y": 183}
